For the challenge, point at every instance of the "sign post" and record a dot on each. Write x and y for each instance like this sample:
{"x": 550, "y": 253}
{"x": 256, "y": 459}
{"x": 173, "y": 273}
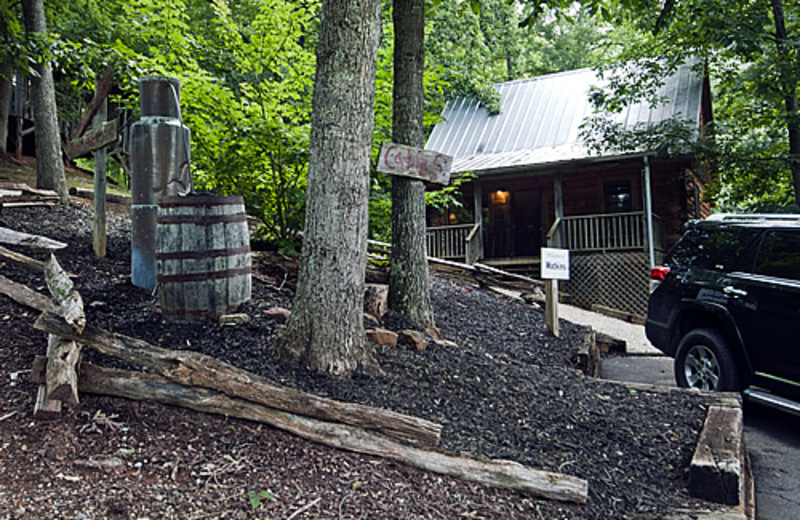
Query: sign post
{"x": 555, "y": 266}
{"x": 84, "y": 142}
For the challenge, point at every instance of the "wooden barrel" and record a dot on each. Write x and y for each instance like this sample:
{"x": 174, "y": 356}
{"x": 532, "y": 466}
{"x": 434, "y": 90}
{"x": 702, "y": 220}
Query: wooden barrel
{"x": 202, "y": 255}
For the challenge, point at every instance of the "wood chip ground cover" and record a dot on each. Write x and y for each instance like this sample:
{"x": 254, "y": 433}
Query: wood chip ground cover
{"x": 508, "y": 391}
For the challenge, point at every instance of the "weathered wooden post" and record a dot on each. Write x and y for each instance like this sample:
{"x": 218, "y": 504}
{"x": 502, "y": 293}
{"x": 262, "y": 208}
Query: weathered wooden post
{"x": 99, "y": 232}
{"x": 63, "y": 354}
{"x": 95, "y": 140}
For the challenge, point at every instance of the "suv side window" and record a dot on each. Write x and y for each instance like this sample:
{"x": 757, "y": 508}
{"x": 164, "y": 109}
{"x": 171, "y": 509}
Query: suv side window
{"x": 779, "y": 255}
{"x": 718, "y": 247}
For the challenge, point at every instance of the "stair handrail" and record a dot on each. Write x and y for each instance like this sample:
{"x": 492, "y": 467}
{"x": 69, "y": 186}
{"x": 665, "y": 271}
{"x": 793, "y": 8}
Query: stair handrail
{"x": 473, "y": 249}
{"x": 551, "y": 233}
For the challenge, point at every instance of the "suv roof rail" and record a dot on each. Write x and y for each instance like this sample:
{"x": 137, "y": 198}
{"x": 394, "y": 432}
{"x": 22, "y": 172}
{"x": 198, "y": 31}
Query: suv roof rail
{"x": 754, "y": 217}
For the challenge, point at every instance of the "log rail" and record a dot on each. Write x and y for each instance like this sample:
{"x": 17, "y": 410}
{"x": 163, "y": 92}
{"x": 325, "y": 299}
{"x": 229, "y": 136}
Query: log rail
{"x": 202, "y": 383}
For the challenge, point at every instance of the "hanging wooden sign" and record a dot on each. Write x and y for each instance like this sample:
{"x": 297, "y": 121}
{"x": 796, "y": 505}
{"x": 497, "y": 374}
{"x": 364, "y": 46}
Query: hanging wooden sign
{"x": 95, "y": 139}
{"x": 405, "y": 161}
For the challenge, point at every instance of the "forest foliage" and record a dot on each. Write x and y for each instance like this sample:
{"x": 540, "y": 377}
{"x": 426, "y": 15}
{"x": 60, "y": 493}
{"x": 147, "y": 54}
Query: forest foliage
{"x": 247, "y": 69}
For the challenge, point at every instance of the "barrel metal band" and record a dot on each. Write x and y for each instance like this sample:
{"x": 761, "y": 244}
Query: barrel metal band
{"x": 205, "y": 276}
{"x": 205, "y": 220}
{"x": 205, "y": 201}
{"x": 199, "y": 255}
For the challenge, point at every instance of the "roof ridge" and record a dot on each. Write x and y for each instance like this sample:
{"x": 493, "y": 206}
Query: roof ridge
{"x": 532, "y": 79}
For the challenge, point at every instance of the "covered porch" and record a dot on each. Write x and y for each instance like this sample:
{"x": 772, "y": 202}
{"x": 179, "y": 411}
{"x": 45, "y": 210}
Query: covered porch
{"x": 586, "y": 208}
{"x": 609, "y": 218}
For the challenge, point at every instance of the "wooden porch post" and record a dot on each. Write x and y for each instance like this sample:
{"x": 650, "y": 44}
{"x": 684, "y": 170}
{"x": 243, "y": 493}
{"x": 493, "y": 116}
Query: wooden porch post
{"x": 477, "y": 205}
{"x": 648, "y": 210}
{"x": 558, "y": 238}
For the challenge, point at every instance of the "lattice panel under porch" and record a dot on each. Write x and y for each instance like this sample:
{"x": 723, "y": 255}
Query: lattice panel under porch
{"x": 620, "y": 280}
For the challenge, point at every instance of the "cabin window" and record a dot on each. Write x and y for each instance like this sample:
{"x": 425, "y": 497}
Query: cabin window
{"x": 617, "y": 196}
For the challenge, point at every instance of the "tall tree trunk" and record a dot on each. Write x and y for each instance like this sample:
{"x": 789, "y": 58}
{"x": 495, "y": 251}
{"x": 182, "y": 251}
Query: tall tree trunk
{"x": 6, "y": 72}
{"x": 788, "y": 76}
{"x": 326, "y": 329}
{"x": 49, "y": 165}
{"x": 409, "y": 291}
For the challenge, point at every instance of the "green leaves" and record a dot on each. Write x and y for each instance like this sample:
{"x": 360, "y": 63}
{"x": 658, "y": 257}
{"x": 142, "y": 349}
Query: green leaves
{"x": 257, "y": 498}
{"x": 752, "y": 79}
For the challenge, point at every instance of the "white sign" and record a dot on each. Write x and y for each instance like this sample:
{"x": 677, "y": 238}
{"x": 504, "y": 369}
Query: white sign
{"x": 555, "y": 264}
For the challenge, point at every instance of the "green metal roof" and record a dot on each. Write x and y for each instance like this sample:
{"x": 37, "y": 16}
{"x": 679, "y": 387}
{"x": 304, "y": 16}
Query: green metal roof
{"x": 540, "y": 119}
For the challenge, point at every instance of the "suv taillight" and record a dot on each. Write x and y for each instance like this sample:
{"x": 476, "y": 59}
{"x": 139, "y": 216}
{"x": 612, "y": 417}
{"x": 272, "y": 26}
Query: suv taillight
{"x": 658, "y": 273}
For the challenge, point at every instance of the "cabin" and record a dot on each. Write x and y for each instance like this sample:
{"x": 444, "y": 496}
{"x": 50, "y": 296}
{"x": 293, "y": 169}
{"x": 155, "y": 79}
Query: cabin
{"x": 538, "y": 184}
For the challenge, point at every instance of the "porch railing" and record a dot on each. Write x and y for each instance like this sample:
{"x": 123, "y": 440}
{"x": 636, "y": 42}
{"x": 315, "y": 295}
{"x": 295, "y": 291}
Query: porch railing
{"x": 615, "y": 231}
{"x": 450, "y": 242}
{"x": 612, "y": 232}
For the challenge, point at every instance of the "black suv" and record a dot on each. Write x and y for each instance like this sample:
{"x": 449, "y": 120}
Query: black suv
{"x": 727, "y": 307}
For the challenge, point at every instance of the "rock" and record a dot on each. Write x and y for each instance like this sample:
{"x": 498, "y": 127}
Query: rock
{"x": 234, "y": 319}
{"x": 434, "y": 332}
{"x": 105, "y": 464}
{"x": 536, "y": 296}
{"x": 370, "y": 321}
{"x": 278, "y": 314}
{"x": 383, "y": 337}
{"x": 446, "y": 343}
{"x": 412, "y": 338}
{"x": 376, "y": 302}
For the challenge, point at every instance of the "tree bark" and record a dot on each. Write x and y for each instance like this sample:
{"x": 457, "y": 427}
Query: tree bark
{"x": 49, "y": 165}
{"x": 788, "y": 77}
{"x": 409, "y": 291}
{"x": 195, "y": 369}
{"x": 6, "y": 72}
{"x": 498, "y": 473}
{"x": 326, "y": 330}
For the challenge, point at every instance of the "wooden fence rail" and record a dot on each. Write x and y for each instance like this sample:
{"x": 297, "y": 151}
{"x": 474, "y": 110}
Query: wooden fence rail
{"x": 448, "y": 242}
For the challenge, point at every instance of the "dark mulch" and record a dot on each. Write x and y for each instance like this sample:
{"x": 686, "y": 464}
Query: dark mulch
{"x": 510, "y": 390}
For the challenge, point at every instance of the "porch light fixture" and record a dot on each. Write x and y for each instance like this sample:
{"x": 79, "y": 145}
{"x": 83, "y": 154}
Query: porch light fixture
{"x": 500, "y": 196}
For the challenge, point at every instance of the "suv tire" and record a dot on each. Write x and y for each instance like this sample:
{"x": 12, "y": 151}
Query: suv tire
{"x": 705, "y": 362}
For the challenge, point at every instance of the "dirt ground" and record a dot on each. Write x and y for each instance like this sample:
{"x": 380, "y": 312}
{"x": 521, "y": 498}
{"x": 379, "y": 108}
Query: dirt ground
{"x": 509, "y": 390}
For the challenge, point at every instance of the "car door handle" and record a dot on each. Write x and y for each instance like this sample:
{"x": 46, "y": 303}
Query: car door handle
{"x": 733, "y": 291}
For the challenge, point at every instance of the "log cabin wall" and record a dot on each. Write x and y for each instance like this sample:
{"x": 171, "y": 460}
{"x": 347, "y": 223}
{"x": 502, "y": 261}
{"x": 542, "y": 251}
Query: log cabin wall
{"x": 677, "y": 196}
{"x": 584, "y": 188}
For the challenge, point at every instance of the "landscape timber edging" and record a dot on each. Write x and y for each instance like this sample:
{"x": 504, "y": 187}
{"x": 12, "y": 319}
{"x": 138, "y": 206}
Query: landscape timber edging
{"x": 713, "y": 447}
{"x": 588, "y": 354}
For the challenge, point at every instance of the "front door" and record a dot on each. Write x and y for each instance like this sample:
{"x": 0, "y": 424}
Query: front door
{"x": 500, "y": 225}
{"x": 526, "y": 216}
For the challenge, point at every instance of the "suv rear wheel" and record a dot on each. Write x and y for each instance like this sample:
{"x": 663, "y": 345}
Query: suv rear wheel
{"x": 705, "y": 362}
